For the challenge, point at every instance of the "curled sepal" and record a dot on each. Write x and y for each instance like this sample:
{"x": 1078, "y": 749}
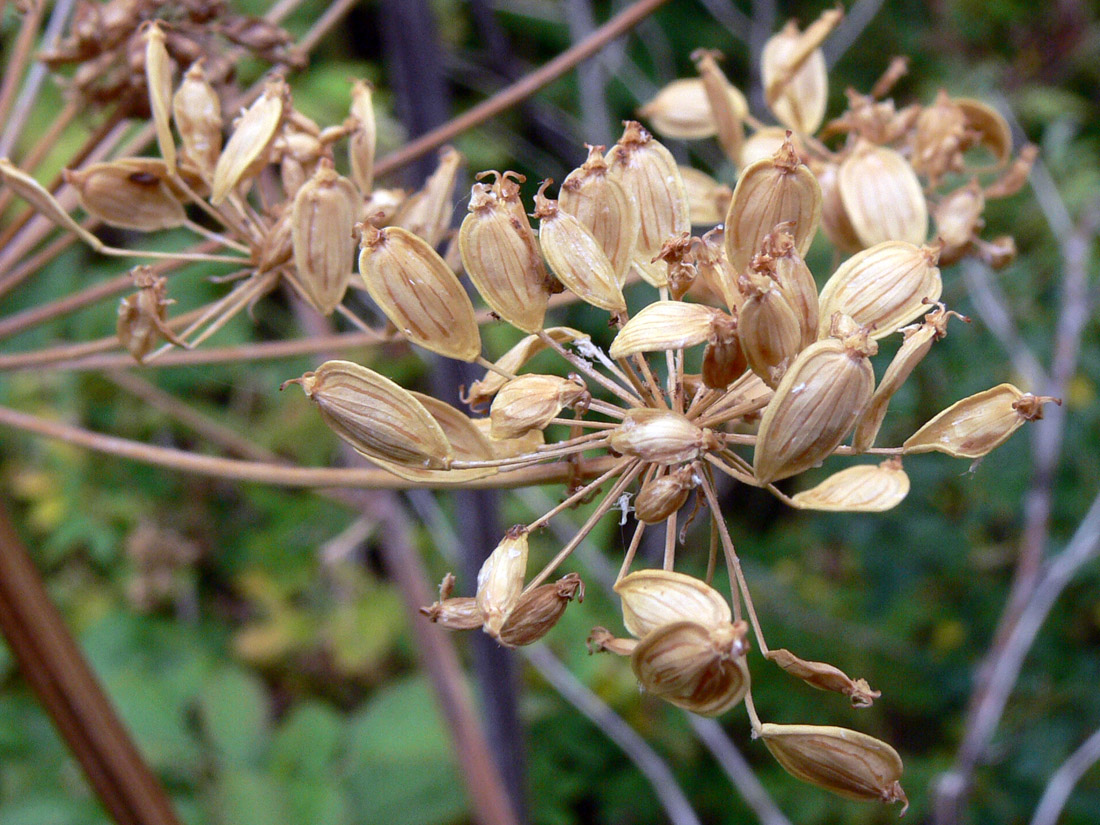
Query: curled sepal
{"x": 824, "y": 676}
{"x": 976, "y": 425}
{"x": 653, "y": 598}
{"x": 248, "y": 147}
{"x": 539, "y": 610}
{"x": 882, "y": 196}
{"x": 377, "y": 417}
{"x": 664, "y": 325}
{"x": 131, "y": 193}
{"x": 870, "y": 488}
{"x": 418, "y": 292}
{"x": 453, "y": 612}
{"x": 500, "y": 580}
{"x": 846, "y": 762}
{"x": 322, "y": 225}
{"x": 531, "y": 401}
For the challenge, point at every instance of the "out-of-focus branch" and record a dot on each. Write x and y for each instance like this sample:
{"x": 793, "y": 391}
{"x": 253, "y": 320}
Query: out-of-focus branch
{"x": 1063, "y": 780}
{"x": 856, "y": 18}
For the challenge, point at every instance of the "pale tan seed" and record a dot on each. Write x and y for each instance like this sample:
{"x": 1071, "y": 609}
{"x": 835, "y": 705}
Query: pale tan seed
{"x": 728, "y": 115}
{"x": 776, "y": 190}
{"x": 158, "y": 80}
{"x": 322, "y": 226}
{"x": 510, "y": 447}
{"x": 682, "y": 110}
{"x": 500, "y": 580}
{"x": 603, "y": 205}
{"x": 846, "y": 762}
{"x": 455, "y": 613}
{"x": 884, "y": 287}
{"x": 723, "y": 358}
{"x": 882, "y": 196}
{"x": 529, "y": 402}
{"x": 247, "y": 150}
{"x": 428, "y": 212}
{"x": 197, "y": 111}
{"x": 714, "y": 270}
{"x": 132, "y": 193}
{"x": 768, "y": 327}
{"x": 653, "y": 598}
{"x": 796, "y": 81}
{"x": 662, "y": 496}
{"x": 418, "y": 292}
{"x": 978, "y": 424}
{"x": 539, "y": 610}
{"x": 708, "y": 200}
{"x": 764, "y": 143}
{"x": 661, "y": 437}
{"x": 835, "y": 222}
{"x": 377, "y": 417}
{"x": 958, "y": 219}
{"x": 465, "y": 437}
{"x": 664, "y": 325}
{"x": 37, "y": 196}
{"x": 481, "y": 392}
{"x": 869, "y": 488}
{"x": 814, "y": 407}
{"x": 824, "y": 676}
{"x": 783, "y": 263}
{"x": 361, "y": 143}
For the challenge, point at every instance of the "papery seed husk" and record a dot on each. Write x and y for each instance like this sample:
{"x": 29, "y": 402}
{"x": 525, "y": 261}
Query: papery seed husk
{"x": 814, "y": 407}
{"x": 467, "y": 439}
{"x": 768, "y": 327}
{"x": 197, "y": 111}
{"x": 158, "y": 79}
{"x": 958, "y": 219}
{"x": 884, "y": 287}
{"x": 653, "y": 598}
{"x": 692, "y": 666}
{"x": 681, "y": 110}
{"x": 428, "y": 213}
{"x": 786, "y": 267}
{"x": 418, "y": 292}
{"x": 835, "y": 222}
{"x": 529, "y": 402}
{"x": 37, "y": 196}
{"x": 500, "y": 580}
{"x": 723, "y": 359}
{"x": 882, "y": 196}
{"x": 142, "y": 321}
{"x": 939, "y": 136}
{"x": 500, "y": 254}
{"x": 978, "y": 424}
{"x": 322, "y": 226}
{"x": 298, "y": 152}
{"x": 376, "y": 416}
{"x": 576, "y": 257}
{"x": 990, "y": 124}
{"x": 649, "y": 174}
{"x": 482, "y": 391}
{"x": 824, "y": 676}
{"x": 664, "y": 325}
{"x": 539, "y": 610}
{"x": 769, "y": 192}
{"x": 869, "y": 488}
{"x": 662, "y": 496}
{"x": 361, "y": 143}
{"x": 603, "y": 205}
{"x": 846, "y": 762}
{"x": 455, "y": 613}
{"x": 131, "y": 193}
{"x": 524, "y": 444}
{"x": 247, "y": 150}
{"x": 728, "y": 112}
{"x": 800, "y": 102}
{"x": 764, "y": 143}
{"x": 660, "y": 436}
{"x": 714, "y": 269}
{"x": 708, "y": 200}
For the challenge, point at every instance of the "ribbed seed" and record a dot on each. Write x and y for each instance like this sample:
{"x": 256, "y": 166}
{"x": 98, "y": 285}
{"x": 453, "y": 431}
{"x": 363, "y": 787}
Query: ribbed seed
{"x": 132, "y": 193}
{"x": 824, "y": 676}
{"x": 781, "y": 261}
{"x": 882, "y": 196}
{"x": 197, "y": 111}
{"x": 835, "y": 222}
{"x": 664, "y": 325}
{"x": 361, "y": 144}
{"x": 724, "y": 358}
{"x": 464, "y": 436}
{"x": 660, "y": 437}
{"x": 708, "y": 200}
{"x": 500, "y": 580}
{"x": 322, "y": 223}
{"x": 768, "y": 327}
{"x": 662, "y": 496}
{"x": 796, "y": 81}
{"x": 869, "y": 488}
{"x": 483, "y": 391}
{"x": 530, "y": 401}
{"x": 653, "y": 598}
{"x": 539, "y": 610}
{"x": 248, "y": 147}
{"x": 682, "y": 110}
{"x": 728, "y": 112}
{"x": 428, "y": 212}
{"x": 158, "y": 80}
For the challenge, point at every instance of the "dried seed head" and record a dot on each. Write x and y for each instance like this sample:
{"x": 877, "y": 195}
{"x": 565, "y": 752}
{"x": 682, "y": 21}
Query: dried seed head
{"x": 539, "y": 610}
{"x": 938, "y": 139}
{"x": 158, "y": 79}
{"x": 723, "y": 359}
{"x": 664, "y": 325}
{"x": 882, "y": 196}
{"x": 322, "y": 226}
{"x": 482, "y": 392}
{"x": 727, "y": 105}
{"x": 361, "y": 144}
{"x": 500, "y": 580}
{"x": 697, "y": 667}
{"x": 768, "y": 327}
{"x": 814, "y": 407}
{"x": 682, "y": 110}
{"x": 248, "y": 148}
{"x": 501, "y": 255}
{"x": 958, "y": 220}
{"x": 846, "y": 762}
{"x": 649, "y": 174}
{"x": 796, "y": 82}
{"x": 869, "y": 488}
{"x": 418, "y": 292}
{"x": 976, "y": 425}
{"x": 654, "y": 598}
{"x": 776, "y": 190}
{"x": 142, "y": 316}
{"x": 428, "y": 212}
{"x": 376, "y": 416}
{"x": 661, "y": 437}
{"x": 605, "y": 208}
{"x": 197, "y": 110}
{"x": 883, "y": 287}
{"x": 529, "y": 402}
{"x": 824, "y": 676}
{"x": 660, "y": 497}
{"x": 708, "y": 200}
{"x": 576, "y": 257}
{"x": 132, "y": 193}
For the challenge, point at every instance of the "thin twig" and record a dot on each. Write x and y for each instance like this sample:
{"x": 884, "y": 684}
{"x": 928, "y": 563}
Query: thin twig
{"x": 1063, "y": 780}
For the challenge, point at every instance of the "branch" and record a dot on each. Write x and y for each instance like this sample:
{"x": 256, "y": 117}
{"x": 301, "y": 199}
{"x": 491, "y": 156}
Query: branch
{"x": 1063, "y": 780}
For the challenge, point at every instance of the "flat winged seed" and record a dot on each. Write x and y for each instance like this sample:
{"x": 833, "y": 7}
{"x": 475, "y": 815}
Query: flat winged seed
{"x": 500, "y": 580}
{"x": 428, "y": 212}
{"x": 768, "y": 327}
{"x": 653, "y": 598}
{"x": 158, "y": 79}
{"x": 132, "y": 193}
{"x": 482, "y": 391}
{"x": 248, "y": 147}
{"x": 467, "y": 439}
{"x": 418, "y": 292}
{"x": 779, "y": 189}
{"x": 884, "y": 287}
{"x": 814, "y": 407}
{"x": 661, "y": 436}
{"x": 796, "y": 81}
{"x": 576, "y": 257}
{"x": 976, "y": 425}
{"x": 824, "y": 676}
{"x": 649, "y": 174}
{"x": 882, "y": 196}
{"x": 870, "y": 488}
{"x": 786, "y": 266}
{"x": 664, "y": 325}
{"x": 681, "y": 110}
{"x": 693, "y": 666}
{"x": 361, "y": 143}
{"x": 529, "y": 402}
{"x": 197, "y": 111}
{"x": 500, "y": 254}
{"x": 603, "y": 205}
{"x": 724, "y": 360}
{"x": 708, "y": 200}
{"x": 539, "y": 610}
{"x": 846, "y": 762}
{"x": 322, "y": 223}
{"x": 37, "y": 196}
{"x": 377, "y": 417}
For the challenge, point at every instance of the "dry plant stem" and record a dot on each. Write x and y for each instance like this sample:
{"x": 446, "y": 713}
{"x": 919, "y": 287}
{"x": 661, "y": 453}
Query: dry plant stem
{"x": 60, "y": 677}
{"x": 276, "y": 474}
{"x": 669, "y": 560}
{"x": 24, "y": 44}
{"x": 1063, "y": 780}
{"x": 577, "y": 496}
{"x": 632, "y": 550}
{"x": 42, "y": 147}
{"x": 527, "y": 86}
{"x": 584, "y": 367}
